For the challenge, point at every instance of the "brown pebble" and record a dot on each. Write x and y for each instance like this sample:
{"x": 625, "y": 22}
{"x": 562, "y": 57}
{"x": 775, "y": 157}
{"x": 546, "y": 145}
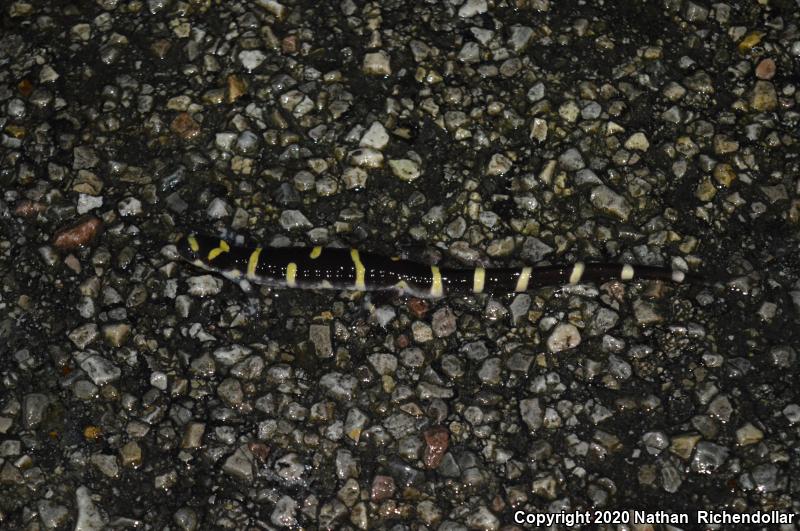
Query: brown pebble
{"x": 25, "y": 87}
{"x": 289, "y": 44}
{"x": 382, "y": 488}
{"x": 437, "y": 440}
{"x": 402, "y": 341}
{"x": 78, "y": 234}
{"x": 73, "y": 263}
{"x": 766, "y": 69}
{"x": 259, "y": 450}
{"x": 498, "y": 504}
{"x": 185, "y": 126}
{"x": 160, "y": 48}
{"x": 236, "y": 88}
{"x": 418, "y": 307}
{"x": 27, "y": 208}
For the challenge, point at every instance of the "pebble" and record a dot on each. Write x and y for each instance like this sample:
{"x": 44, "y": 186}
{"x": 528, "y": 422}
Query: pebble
{"x": 185, "y": 126}
{"x": 470, "y": 8}
{"x": 284, "y": 513}
{"x": 377, "y": 64}
{"x": 339, "y": 386}
{"x": 367, "y": 158}
{"x": 708, "y": 457}
{"x": 521, "y": 37}
{"x": 490, "y": 371}
{"x": 569, "y": 111}
{"x": 443, "y": 322}
{"x": 272, "y": 6}
{"x": 106, "y": 464}
{"x": 100, "y": 370}
{"x": 33, "y": 409}
{"x": 766, "y": 69}
{"x": 571, "y": 160}
{"x": 89, "y": 517}
{"x": 218, "y": 209}
{"x": 354, "y": 423}
{"x": 290, "y": 468}
{"x": 77, "y": 235}
{"x": 84, "y": 157}
{"x": 483, "y": 518}
{"x": 638, "y": 142}
{"x": 251, "y": 59}
{"x": 694, "y": 12}
{"x": 204, "y": 285}
{"x": 422, "y": 332}
{"x": 532, "y": 414}
{"x": 87, "y": 203}
{"x": 564, "y": 336}
{"x": 240, "y": 465}
{"x": 383, "y": 488}
{"x": 498, "y": 165}
{"x": 610, "y": 203}
{"x": 116, "y": 334}
{"x": 84, "y": 335}
{"x": 231, "y": 392}
{"x": 193, "y": 435}
{"x": 375, "y": 137}
{"x": 646, "y": 313}
{"x": 519, "y": 307}
{"x": 53, "y": 515}
{"x": 231, "y": 354}
{"x": 320, "y": 337}
{"x": 763, "y": 96}
{"x": 294, "y": 220}
{"x": 748, "y": 434}
{"x": 248, "y": 143}
{"x": 437, "y": 441}
{"x": 405, "y": 169}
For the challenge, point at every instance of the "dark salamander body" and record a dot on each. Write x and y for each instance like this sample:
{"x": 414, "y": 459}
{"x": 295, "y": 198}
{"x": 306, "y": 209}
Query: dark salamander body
{"x": 350, "y": 269}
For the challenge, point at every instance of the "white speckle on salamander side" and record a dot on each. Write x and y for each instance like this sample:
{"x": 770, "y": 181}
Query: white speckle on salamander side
{"x": 437, "y": 289}
{"x": 627, "y": 272}
{"x": 291, "y": 275}
{"x": 577, "y": 273}
{"x": 524, "y": 279}
{"x": 478, "y": 279}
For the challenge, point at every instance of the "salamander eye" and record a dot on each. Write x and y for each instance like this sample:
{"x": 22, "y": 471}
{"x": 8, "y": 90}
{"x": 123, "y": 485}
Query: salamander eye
{"x": 188, "y": 247}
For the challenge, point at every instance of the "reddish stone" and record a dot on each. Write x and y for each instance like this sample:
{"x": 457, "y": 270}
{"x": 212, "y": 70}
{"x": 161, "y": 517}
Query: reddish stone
{"x": 25, "y": 87}
{"x": 402, "y": 341}
{"x": 766, "y": 69}
{"x": 418, "y": 307}
{"x": 78, "y": 234}
{"x": 259, "y": 450}
{"x": 437, "y": 440}
{"x": 27, "y": 208}
{"x": 236, "y": 88}
{"x": 382, "y": 488}
{"x": 289, "y": 44}
{"x": 185, "y": 126}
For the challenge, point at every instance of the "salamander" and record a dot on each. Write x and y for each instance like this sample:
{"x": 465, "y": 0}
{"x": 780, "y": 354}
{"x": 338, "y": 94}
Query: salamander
{"x": 351, "y": 269}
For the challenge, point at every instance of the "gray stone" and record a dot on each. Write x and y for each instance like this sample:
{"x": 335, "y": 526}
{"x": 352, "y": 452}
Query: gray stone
{"x": 240, "y": 464}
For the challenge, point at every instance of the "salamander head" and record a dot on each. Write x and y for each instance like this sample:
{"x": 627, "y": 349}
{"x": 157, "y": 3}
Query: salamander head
{"x": 192, "y": 247}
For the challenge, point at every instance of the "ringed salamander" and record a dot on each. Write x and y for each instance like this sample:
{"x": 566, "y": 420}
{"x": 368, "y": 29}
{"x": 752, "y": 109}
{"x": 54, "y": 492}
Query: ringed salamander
{"x": 350, "y": 269}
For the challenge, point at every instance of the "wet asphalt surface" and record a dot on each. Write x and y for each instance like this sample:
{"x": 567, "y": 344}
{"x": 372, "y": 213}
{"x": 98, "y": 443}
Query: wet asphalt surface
{"x": 138, "y": 392}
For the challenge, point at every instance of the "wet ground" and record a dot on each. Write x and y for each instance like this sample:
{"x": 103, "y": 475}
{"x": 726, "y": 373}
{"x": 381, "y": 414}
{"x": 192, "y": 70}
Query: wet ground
{"x": 139, "y": 393}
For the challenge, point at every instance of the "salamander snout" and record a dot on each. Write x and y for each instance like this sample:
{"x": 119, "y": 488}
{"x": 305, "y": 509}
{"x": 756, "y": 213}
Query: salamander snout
{"x": 188, "y": 246}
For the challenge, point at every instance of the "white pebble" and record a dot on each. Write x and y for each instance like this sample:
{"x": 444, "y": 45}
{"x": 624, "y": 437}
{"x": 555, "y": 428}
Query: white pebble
{"x": 88, "y": 202}
{"x": 377, "y": 64}
{"x": 375, "y": 137}
{"x": 564, "y": 336}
